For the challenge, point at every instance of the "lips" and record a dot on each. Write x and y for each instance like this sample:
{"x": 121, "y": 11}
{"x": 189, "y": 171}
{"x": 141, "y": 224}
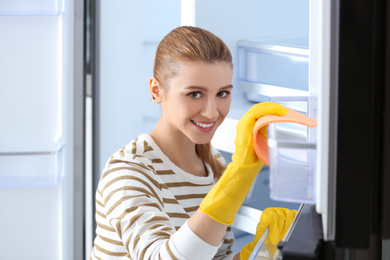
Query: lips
{"x": 204, "y": 125}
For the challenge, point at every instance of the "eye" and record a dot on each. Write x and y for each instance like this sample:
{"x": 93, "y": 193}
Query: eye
{"x": 223, "y": 94}
{"x": 195, "y": 94}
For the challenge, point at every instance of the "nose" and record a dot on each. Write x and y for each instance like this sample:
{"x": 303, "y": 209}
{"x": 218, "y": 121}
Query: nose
{"x": 210, "y": 109}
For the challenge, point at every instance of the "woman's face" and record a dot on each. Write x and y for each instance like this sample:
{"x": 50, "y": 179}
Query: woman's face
{"x": 197, "y": 100}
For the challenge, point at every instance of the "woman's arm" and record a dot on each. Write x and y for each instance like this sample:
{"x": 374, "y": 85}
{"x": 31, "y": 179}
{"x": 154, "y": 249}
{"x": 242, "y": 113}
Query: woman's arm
{"x": 221, "y": 204}
{"x": 132, "y": 207}
{"x": 206, "y": 228}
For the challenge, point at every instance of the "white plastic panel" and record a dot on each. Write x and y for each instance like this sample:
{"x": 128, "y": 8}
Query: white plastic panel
{"x": 31, "y": 101}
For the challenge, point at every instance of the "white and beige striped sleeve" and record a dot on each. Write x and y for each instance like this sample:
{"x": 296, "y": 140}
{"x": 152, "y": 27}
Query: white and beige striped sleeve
{"x": 132, "y": 204}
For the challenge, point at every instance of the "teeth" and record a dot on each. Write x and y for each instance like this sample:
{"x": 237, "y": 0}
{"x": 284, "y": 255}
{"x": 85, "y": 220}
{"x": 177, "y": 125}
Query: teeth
{"x": 203, "y": 125}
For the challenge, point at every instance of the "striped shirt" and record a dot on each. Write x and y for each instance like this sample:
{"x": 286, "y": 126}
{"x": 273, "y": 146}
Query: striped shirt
{"x": 143, "y": 203}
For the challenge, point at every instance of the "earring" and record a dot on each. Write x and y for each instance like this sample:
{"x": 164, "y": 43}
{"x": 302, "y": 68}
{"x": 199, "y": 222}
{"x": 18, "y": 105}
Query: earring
{"x": 153, "y": 98}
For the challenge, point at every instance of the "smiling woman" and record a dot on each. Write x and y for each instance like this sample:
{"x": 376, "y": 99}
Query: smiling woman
{"x": 157, "y": 197}
{"x": 177, "y": 52}
{"x": 193, "y": 106}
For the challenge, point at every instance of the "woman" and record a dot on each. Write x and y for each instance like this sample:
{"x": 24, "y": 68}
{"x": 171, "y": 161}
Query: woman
{"x": 156, "y": 198}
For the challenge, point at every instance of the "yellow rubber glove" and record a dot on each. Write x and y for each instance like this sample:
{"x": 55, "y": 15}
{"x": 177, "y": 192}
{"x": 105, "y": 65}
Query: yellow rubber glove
{"x": 278, "y": 221}
{"x": 226, "y": 197}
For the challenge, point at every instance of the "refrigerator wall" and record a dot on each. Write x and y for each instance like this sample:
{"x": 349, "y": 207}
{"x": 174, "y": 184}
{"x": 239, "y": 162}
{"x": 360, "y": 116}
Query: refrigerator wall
{"x": 128, "y": 35}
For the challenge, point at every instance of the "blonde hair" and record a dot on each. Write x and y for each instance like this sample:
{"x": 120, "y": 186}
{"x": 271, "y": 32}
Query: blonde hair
{"x": 188, "y": 44}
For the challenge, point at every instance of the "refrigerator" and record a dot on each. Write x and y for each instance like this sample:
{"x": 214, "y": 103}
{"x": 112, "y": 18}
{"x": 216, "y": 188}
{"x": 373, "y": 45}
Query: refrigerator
{"x": 74, "y": 89}
{"x": 42, "y": 129}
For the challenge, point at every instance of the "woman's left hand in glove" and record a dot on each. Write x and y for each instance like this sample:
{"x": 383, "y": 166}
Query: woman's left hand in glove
{"x": 278, "y": 221}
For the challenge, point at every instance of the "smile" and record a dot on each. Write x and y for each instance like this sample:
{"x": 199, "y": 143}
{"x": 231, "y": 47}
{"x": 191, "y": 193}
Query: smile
{"x": 203, "y": 125}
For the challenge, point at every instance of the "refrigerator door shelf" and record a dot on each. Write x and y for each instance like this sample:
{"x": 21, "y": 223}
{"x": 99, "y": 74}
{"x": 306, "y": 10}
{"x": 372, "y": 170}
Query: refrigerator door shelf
{"x": 31, "y": 8}
{"x": 32, "y": 169}
{"x": 286, "y": 144}
{"x": 261, "y": 63}
{"x": 33, "y": 97}
{"x": 292, "y": 163}
{"x": 292, "y": 154}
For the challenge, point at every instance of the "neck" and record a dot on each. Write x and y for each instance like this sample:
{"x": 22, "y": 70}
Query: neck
{"x": 179, "y": 149}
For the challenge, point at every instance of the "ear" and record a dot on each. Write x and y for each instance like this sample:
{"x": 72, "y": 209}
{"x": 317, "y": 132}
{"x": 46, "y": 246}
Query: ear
{"x": 155, "y": 90}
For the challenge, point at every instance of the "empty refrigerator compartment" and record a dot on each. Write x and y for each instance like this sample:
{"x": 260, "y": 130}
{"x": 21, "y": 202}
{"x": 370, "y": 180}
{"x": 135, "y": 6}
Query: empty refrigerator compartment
{"x": 273, "y": 67}
{"x": 292, "y": 154}
{"x": 292, "y": 163}
{"x": 31, "y": 8}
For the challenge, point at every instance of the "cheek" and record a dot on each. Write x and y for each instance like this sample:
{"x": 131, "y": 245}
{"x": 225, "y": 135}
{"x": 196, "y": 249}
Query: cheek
{"x": 183, "y": 108}
{"x": 186, "y": 107}
{"x": 225, "y": 108}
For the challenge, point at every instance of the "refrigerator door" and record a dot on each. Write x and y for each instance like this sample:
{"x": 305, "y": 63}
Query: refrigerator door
{"x": 41, "y": 133}
{"x": 353, "y": 142}
{"x": 361, "y": 123}
{"x": 323, "y": 77}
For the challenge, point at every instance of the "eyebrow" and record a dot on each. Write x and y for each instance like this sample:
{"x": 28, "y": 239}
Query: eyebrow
{"x": 205, "y": 89}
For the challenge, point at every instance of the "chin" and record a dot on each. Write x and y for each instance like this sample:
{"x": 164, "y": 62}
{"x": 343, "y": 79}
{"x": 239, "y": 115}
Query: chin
{"x": 202, "y": 140}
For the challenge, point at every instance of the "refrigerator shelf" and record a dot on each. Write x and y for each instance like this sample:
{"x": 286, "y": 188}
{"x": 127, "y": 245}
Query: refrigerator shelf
{"x": 273, "y": 67}
{"x": 31, "y": 8}
{"x": 32, "y": 169}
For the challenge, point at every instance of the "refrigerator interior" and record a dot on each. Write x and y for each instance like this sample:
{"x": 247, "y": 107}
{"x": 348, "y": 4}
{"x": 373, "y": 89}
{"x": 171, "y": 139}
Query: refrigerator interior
{"x": 129, "y": 32}
{"x": 128, "y": 38}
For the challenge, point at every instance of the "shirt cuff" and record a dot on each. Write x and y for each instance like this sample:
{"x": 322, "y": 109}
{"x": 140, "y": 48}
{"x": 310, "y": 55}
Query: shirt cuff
{"x": 189, "y": 246}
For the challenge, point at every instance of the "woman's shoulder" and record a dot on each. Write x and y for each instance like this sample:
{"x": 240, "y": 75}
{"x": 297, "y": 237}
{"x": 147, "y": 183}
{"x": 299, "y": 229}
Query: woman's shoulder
{"x": 139, "y": 151}
{"x": 137, "y": 158}
{"x": 139, "y": 148}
